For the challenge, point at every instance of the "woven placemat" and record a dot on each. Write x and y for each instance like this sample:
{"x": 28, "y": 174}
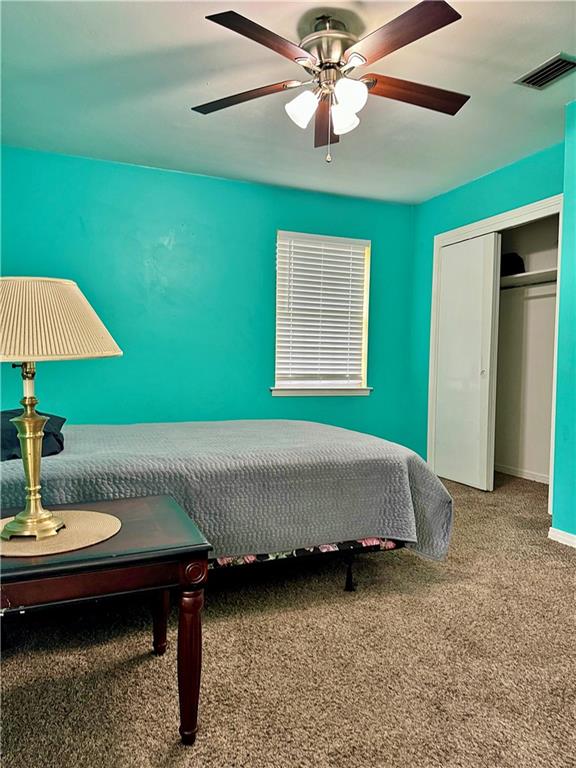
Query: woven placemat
{"x": 83, "y": 529}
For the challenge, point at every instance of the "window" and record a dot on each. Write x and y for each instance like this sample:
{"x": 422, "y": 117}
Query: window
{"x": 321, "y": 315}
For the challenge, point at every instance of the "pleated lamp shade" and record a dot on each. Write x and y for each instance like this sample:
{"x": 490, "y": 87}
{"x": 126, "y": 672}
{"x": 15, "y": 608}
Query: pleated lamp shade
{"x": 43, "y": 318}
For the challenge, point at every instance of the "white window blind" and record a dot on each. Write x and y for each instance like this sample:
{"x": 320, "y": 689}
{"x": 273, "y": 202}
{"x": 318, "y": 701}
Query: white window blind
{"x": 321, "y": 312}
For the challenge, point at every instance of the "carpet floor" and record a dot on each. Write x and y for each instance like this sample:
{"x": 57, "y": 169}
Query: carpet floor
{"x": 460, "y": 664}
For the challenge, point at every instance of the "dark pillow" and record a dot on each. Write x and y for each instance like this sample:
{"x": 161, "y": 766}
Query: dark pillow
{"x": 52, "y": 443}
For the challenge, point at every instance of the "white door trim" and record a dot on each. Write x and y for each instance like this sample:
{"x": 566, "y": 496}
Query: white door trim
{"x": 507, "y": 220}
{"x": 513, "y": 218}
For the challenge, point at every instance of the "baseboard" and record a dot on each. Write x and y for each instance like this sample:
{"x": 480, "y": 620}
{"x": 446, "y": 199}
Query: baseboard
{"x": 526, "y": 474}
{"x": 569, "y": 539}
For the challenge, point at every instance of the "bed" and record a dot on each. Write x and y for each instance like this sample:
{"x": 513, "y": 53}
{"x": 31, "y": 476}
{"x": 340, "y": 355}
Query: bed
{"x": 258, "y": 489}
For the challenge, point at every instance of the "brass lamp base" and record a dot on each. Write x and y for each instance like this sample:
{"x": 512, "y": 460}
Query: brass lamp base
{"x": 39, "y": 525}
{"x": 34, "y": 520}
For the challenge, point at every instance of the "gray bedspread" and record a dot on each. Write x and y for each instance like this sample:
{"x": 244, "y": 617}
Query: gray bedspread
{"x": 254, "y": 486}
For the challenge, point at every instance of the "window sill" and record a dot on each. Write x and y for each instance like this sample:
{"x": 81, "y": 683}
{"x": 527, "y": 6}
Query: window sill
{"x": 320, "y": 391}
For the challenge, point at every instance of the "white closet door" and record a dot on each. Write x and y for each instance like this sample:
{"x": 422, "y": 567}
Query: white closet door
{"x": 463, "y": 361}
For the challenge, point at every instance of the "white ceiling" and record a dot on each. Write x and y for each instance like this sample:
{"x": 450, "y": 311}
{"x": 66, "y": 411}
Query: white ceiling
{"x": 116, "y": 80}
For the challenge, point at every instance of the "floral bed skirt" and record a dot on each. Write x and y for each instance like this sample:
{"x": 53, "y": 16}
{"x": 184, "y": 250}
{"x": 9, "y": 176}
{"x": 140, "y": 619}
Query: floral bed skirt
{"x": 361, "y": 545}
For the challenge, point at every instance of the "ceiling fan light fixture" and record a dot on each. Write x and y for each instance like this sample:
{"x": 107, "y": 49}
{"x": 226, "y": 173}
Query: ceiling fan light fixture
{"x": 302, "y": 109}
{"x": 352, "y": 94}
{"x": 343, "y": 119}
{"x": 354, "y": 60}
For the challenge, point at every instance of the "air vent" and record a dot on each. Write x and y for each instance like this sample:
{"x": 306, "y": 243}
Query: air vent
{"x": 549, "y": 72}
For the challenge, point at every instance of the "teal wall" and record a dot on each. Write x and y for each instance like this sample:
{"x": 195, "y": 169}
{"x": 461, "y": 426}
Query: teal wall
{"x": 564, "y": 502}
{"x": 534, "y": 178}
{"x": 181, "y": 268}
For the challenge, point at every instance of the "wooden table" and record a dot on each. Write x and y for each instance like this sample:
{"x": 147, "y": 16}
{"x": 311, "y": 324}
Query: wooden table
{"x": 158, "y": 548}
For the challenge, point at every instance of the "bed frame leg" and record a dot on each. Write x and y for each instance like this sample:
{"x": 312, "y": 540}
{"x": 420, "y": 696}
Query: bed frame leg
{"x": 349, "y": 585}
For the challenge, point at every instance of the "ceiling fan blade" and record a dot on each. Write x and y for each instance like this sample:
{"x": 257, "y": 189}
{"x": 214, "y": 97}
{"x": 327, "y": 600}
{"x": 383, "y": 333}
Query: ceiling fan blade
{"x": 242, "y": 25}
{"x": 323, "y": 124}
{"x": 421, "y": 20}
{"x": 238, "y": 98}
{"x": 426, "y": 96}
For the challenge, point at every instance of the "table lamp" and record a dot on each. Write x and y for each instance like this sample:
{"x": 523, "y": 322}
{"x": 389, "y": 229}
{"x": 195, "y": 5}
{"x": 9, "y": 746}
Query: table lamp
{"x": 43, "y": 318}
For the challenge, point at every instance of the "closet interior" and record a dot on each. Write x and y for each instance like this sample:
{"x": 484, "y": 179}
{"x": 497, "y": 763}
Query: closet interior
{"x": 527, "y": 317}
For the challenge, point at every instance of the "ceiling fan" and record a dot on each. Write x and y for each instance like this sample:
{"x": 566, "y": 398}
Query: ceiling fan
{"x": 329, "y": 54}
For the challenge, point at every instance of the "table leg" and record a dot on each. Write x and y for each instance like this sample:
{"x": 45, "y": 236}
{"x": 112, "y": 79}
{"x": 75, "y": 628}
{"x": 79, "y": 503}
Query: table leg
{"x": 189, "y": 661}
{"x": 160, "y": 611}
